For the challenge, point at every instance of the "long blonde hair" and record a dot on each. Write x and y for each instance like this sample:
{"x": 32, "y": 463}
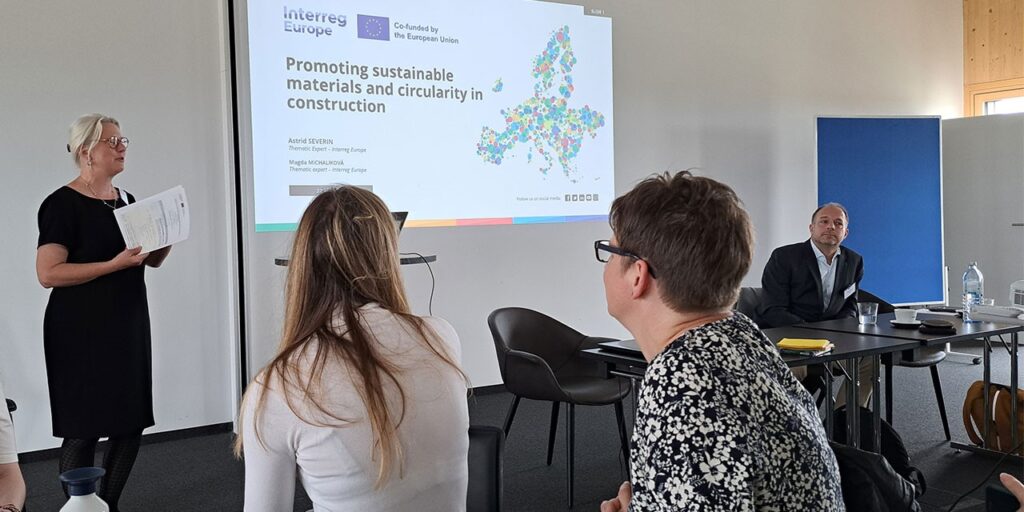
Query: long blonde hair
{"x": 345, "y": 255}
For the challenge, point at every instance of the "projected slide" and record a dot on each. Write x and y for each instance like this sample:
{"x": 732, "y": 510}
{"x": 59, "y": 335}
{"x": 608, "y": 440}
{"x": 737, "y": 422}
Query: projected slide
{"x": 460, "y": 112}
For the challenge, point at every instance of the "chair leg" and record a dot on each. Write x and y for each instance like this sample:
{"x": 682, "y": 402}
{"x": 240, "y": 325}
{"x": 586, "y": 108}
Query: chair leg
{"x": 888, "y": 393}
{"x": 511, "y": 414}
{"x": 938, "y": 398}
{"x": 570, "y": 439}
{"x": 554, "y": 427}
{"x": 821, "y": 395}
{"x": 814, "y": 384}
{"x": 620, "y": 417}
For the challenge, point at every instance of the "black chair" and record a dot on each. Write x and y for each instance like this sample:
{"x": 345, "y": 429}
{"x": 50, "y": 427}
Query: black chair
{"x": 539, "y": 359}
{"x": 750, "y": 298}
{"x": 486, "y": 454}
{"x": 918, "y": 358}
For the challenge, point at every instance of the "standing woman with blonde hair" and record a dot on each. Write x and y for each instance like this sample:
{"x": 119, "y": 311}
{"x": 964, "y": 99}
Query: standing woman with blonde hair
{"x": 366, "y": 399}
{"x": 96, "y": 336}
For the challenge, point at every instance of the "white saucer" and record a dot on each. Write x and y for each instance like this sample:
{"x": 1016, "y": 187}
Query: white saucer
{"x": 906, "y": 325}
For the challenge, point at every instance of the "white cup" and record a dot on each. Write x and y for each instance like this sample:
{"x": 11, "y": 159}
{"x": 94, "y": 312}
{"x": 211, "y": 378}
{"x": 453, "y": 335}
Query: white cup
{"x": 905, "y": 316}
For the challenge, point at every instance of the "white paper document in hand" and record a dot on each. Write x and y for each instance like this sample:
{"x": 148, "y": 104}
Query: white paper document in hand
{"x": 155, "y": 222}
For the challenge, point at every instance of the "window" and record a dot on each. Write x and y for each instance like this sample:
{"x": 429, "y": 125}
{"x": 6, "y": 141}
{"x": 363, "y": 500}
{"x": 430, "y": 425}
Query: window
{"x": 1005, "y": 106}
{"x": 999, "y": 97}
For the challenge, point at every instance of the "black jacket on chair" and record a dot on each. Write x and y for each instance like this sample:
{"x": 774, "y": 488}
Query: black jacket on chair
{"x": 791, "y": 286}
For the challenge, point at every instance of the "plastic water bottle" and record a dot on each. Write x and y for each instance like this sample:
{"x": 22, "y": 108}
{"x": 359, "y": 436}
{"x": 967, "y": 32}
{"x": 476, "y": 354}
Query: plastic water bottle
{"x": 974, "y": 289}
{"x": 81, "y": 484}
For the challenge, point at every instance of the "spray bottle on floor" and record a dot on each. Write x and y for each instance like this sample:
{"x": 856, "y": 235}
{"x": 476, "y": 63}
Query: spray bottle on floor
{"x": 81, "y": 484}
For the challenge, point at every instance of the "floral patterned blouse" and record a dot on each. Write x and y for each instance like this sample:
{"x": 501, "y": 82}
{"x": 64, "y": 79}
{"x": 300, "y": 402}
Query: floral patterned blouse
{"x": 723, "y": 424}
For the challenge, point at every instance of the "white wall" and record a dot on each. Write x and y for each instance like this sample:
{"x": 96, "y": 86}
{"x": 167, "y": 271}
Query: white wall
{"x": 159, "y": 67}
{"x": 731, "y": 87}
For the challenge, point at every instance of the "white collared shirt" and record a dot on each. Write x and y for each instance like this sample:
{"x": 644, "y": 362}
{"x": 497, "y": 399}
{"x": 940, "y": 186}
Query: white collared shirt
{"x": 828, "y": 273}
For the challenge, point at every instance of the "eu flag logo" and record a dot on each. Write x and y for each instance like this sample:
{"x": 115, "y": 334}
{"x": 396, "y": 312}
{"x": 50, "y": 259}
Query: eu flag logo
{"x": 373, "y": 27}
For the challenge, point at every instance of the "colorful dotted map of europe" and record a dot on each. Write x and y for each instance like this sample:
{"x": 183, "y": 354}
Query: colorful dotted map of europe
{"x": 546, "y": 121}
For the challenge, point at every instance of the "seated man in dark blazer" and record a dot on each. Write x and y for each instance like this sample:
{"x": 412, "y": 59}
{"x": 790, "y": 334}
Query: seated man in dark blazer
{"x": 815, "y": 280}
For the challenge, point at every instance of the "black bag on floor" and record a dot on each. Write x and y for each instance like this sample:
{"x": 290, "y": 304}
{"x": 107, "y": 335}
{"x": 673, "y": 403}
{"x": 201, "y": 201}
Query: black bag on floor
{"x": 869, "y": 483}
{"x": 893, "y": 449}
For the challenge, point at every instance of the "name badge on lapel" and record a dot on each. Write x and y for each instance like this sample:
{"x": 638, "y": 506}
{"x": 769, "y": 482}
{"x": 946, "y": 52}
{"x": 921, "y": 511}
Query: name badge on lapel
{"x": 849, "y": 291}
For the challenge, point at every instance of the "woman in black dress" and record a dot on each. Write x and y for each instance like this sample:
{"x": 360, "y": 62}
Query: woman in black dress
{"x": 96, "y": 327}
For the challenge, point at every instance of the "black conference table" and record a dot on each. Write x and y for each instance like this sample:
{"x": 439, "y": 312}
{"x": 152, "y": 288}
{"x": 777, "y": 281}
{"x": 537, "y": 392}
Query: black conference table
{"x": 883, "y": 328}
{"x": 853, "y": 341}
{"x": 847, "y": 347}
{"x": 983, "y": 330}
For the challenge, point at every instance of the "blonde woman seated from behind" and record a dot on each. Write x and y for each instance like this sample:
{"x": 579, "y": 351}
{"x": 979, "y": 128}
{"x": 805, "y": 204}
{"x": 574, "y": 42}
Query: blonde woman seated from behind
{"x": 364, "y": 398}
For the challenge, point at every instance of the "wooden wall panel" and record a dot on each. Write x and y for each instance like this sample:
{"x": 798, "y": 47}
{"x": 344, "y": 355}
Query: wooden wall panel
{"x": 993, "y": 40}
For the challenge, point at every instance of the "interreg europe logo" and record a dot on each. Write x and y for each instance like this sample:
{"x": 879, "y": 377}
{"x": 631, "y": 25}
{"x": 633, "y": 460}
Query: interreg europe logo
{"x": 373, "y": 27}
{"x": 314, "y": 23}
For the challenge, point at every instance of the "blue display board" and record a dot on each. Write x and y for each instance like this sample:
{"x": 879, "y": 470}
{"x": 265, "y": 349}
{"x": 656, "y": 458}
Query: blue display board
{"x": 887, "y": 173}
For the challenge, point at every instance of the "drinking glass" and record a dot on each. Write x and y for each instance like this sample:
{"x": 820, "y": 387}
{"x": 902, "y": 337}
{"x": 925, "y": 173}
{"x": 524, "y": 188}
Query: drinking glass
{"x": 867, "y": 313}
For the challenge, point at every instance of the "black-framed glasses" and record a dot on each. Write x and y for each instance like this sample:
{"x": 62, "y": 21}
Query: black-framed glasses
{"x": 603, "y": 250}
{"x": 114, "y": 141}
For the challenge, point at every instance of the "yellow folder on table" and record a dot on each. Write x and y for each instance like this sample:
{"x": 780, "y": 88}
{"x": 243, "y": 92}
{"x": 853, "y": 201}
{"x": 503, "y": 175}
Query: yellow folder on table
{"x": 803, "y": 344}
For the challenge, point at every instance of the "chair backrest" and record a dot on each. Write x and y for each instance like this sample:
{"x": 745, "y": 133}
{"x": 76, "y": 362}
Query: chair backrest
{"x": 533, "y": 332}
{"x": 486, "y": 453}
{"x": 750, "y": 298}
{"x": 883, "y": 306}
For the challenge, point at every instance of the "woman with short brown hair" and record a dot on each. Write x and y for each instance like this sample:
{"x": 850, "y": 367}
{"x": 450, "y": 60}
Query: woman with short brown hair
{"x": 721, "y": 422}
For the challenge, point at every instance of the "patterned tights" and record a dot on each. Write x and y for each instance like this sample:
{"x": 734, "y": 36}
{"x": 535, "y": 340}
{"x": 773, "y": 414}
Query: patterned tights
{"x": 118, "y": 462}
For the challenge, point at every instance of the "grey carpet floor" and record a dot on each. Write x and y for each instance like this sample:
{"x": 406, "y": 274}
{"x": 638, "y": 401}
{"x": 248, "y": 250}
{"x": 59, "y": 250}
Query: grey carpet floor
{"x": 200, "y": 474}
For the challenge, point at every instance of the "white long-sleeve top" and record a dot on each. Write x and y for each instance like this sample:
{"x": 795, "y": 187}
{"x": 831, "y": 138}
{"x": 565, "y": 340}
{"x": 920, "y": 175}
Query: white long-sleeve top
{"x": 336, "y": 464}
